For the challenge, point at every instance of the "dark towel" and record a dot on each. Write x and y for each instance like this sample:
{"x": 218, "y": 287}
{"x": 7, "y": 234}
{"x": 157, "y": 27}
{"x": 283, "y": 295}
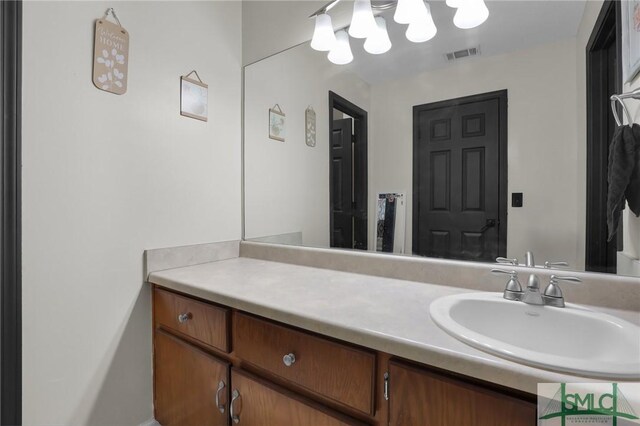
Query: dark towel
{"x": 624, "y": 175}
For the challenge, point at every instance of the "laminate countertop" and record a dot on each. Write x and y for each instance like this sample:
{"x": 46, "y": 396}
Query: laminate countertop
{"x": 384, "y": 314}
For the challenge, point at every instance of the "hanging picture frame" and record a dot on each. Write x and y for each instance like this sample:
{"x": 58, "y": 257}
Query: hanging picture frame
{"x": 277, "y": 129}
{"x": 194, "y": 97}
{"x": 630, "y": 39}
{"x": 310, "y": 126}
{"x": 111, "y": 55}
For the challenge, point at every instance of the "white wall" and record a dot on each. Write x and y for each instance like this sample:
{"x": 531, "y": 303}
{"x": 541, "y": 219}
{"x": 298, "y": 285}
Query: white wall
{"x": 106, "y": 176}
{"x": 287, "y": 183}
{"x": 541, "y": 140}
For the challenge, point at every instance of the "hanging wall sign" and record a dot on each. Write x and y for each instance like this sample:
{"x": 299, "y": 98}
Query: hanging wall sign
{"x": 194, "y": 97}
{"x": 310, "y": 126}
{"x": 276, "y": 123}
{"x": 110, "y": 55}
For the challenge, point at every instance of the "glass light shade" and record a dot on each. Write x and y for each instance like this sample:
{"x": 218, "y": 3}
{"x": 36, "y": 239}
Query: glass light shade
{"x": 422, "y": 28}
{"x": 470, "y": 14}
{"x": 323, "y": 35}
{"x": 407, "y": 10}
{"x": 378, "y": 42}
{"x": 362, "y": 22}
{"x": 455, "y": 3}
{"x": 341, "y": 54}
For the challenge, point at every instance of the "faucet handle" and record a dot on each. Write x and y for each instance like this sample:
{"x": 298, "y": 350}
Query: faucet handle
{"x": 553, "y": 289}
{"x": 549, "y": 265}
{"x": 513, "y": 261}
{"x": 513, "y": 290}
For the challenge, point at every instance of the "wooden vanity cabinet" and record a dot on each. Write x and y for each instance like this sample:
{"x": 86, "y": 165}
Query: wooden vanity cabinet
{"x": 421, "y": 397}
{"x": 284, "y": 376}
{"x": 191, "y": 387}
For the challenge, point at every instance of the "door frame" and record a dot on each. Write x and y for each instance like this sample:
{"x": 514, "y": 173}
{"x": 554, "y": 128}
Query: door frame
{"x": 10, "y": 214}
{"x": 360, "y": 159}
{"x": 598, "y": 253}
{"x": 502, "y": 97}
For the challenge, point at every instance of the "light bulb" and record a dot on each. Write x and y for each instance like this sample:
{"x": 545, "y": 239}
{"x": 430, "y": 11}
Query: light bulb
{"x": 362, "y": 22}
{"x": 341, "y": 54}
{"x": 378, "y": 42}
{"x": 422, "y": 28}
{"x": 470, "y": 14}
{"x": 407, "y": 10}
{"x": 323, "y": 35}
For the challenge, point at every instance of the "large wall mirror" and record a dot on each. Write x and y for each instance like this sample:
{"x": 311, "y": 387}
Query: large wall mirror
{"x": 479, "y": 143}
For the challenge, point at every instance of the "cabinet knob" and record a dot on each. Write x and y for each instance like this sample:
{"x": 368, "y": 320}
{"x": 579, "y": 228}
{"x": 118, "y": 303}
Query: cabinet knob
{"x": 289, "y": 359}
{"x": 221, "y": 386}
{"x": 235, "y": 395}
{"x": 182, "y": 318}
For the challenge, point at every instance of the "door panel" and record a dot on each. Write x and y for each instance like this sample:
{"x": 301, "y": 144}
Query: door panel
{"x": 342, "y": 184}
{"x": 260, "y": 403}
{"x": 186, "y": 383}
{"x": 459, "y": 212}
{"x": 421, "y": 397}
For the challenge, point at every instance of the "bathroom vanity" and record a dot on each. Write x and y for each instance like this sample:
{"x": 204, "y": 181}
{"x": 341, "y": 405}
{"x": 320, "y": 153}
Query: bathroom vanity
{"x": 250, "y": 341}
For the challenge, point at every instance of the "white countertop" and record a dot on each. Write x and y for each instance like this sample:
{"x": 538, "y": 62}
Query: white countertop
{"x": 384, "y": 314}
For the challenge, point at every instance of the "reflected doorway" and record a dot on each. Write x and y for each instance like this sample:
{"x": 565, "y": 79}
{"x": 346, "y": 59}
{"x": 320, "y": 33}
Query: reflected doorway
{"x": 460, "y": 178}
{"x": 347, "y": 174}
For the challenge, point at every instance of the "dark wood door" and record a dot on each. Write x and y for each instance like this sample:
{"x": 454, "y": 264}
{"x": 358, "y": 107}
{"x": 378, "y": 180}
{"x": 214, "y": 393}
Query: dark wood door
{"x": 257, "y": 402}
{"x": 186, "y": 383}
{"x": 421, "y": 397}
{"x": 460, "y": 178}
{"x": 342, "y": 184}
{"x": 604, "y": 78}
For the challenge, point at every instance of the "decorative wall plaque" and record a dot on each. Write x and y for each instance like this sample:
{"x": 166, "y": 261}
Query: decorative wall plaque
{"x": 310, "y": 126}
{"x": 110, "y": 55}
{"x": 194, "y": 97}
{"x": 276, "y": 123}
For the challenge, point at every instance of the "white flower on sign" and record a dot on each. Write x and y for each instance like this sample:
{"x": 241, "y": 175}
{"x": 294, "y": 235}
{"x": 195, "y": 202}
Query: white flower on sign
{"x": 110, "y": 59}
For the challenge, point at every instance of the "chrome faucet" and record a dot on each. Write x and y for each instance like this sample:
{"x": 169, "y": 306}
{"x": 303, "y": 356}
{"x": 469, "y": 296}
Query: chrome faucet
{"x": 531, "y": 295}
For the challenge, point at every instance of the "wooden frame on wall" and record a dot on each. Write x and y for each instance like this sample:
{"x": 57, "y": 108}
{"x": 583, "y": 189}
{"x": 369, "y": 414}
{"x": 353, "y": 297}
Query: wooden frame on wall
{"x": 10, "y": 214}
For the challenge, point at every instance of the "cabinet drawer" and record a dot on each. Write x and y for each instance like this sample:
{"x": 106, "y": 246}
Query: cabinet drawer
{"x": 337, "y": 371}
{"x": 201, "y": 321}
{"x": 257, "y": 402}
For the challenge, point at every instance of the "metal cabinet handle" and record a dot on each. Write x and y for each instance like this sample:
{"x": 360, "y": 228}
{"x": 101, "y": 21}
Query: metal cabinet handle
{"x": 289, "y": 359}
{"x": 234, "y": 395}
{"x": 184, "y": 317}
{"x": 220, "y": 387}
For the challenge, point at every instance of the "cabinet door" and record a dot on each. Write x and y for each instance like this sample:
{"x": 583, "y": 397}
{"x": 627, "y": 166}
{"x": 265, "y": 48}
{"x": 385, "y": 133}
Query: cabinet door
{"x": 422, "y": 397}
{"x": 186, "y": 383}
{"x": 256, "y": 402}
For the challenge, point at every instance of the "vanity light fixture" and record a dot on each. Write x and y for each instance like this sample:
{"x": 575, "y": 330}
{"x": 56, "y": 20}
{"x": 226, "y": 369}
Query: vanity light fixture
{"x": 363, "y": 23}
{"x": 378, "y": 42}
{"x": 341, "y": 54}
{"x": 422, "y": 29}
{"x": 470, "y": 13}
{"x": 414, "y": 13}
{"x": 407, "y": 11}
{"x": 323, "y": 36}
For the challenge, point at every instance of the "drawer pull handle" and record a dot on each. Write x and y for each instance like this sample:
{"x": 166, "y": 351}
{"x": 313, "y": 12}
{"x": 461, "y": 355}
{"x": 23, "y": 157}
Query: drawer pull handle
{"x": 235, "y": 395}
{"x": 220, "y": 387}
{"x": 182, "y": 318}
{"x": 289, "y": 359}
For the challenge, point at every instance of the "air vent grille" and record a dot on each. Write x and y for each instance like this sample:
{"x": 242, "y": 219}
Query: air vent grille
{"x": 459, "y": 54}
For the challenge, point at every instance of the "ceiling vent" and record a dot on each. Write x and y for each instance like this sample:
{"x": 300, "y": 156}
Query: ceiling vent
{"x": 452, "y": 56}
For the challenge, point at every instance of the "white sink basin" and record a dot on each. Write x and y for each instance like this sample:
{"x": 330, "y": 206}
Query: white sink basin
{"x": 572, "y": 339}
